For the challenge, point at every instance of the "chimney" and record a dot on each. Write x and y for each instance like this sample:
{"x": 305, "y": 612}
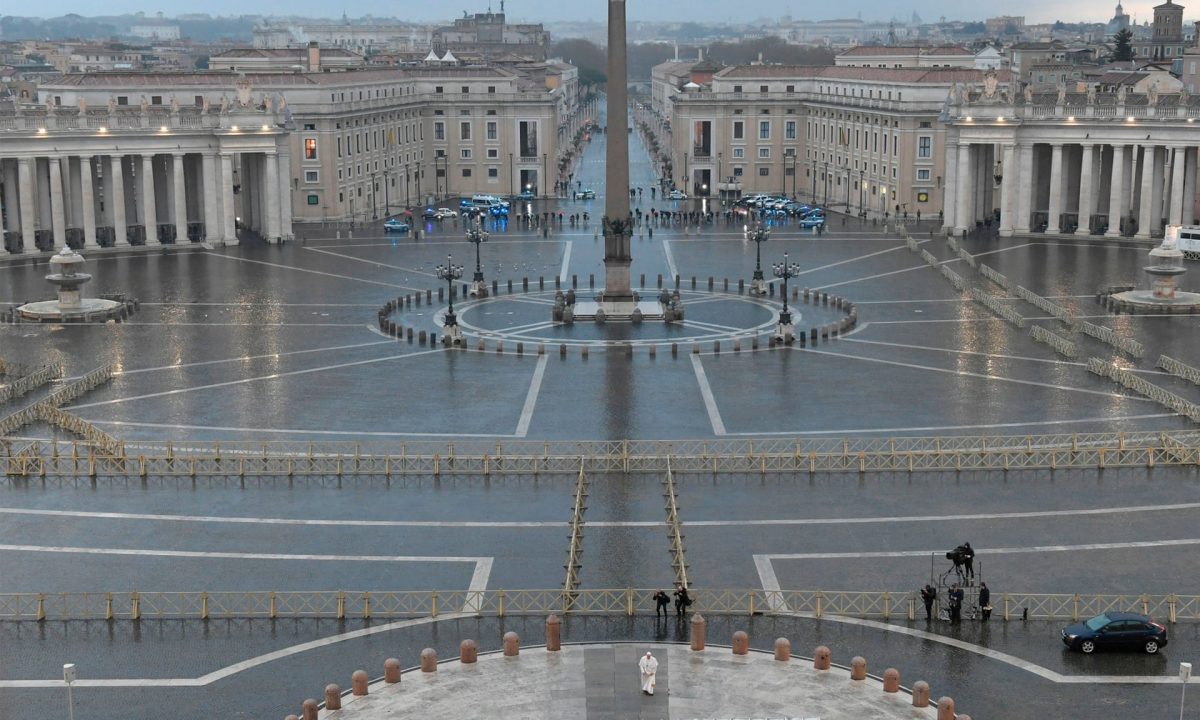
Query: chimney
{"x": 1196, "y": 38}
{"x": 314, "y": 56}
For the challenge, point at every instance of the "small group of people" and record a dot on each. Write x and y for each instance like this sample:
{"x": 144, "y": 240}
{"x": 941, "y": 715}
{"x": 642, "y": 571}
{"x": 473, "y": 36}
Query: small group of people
{"x": 955, "y": 598}
{"x": 682, "y": 601}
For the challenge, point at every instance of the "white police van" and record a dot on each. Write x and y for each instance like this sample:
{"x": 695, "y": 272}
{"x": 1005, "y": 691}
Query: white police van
{"x": 1189, "y": 241}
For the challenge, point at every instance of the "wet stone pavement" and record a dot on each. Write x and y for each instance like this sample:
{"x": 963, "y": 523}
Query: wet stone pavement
{"x": 255, "y": 343}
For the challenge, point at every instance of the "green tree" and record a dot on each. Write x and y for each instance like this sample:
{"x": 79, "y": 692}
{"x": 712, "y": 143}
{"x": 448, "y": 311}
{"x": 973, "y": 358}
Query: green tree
{"x": 1123, "y": 45}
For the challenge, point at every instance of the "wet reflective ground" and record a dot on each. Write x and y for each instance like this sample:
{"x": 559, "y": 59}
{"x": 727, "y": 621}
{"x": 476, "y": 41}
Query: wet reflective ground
{"x": 258, "y": 342}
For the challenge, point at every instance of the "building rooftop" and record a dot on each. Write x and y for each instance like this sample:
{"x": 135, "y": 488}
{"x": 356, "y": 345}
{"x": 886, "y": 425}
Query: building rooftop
{"x": 906, "y": 75}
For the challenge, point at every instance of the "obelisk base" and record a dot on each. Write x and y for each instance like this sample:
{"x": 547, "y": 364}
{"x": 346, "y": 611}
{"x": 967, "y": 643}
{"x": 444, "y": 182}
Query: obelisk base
{"x": 617, "y": 287}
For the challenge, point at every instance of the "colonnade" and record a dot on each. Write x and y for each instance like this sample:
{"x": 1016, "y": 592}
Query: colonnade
{"x": 112, "y": 199}
{"x": 1110, "y": 188}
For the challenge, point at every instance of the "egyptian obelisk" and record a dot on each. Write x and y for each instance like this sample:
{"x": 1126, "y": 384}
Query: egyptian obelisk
{"x": 617, "y": 230}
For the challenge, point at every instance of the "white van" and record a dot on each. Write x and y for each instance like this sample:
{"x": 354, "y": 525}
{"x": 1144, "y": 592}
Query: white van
{"x": 1189, "y": 241}
{"x": 487, "y": 201}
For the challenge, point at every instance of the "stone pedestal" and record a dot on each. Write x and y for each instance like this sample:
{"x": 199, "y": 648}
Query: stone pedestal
{"x": 478, "y": 289}
{"x": 758, "y": 286}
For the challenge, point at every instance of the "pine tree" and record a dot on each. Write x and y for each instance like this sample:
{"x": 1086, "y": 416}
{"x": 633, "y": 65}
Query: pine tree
{"x": 1123, "y": 45}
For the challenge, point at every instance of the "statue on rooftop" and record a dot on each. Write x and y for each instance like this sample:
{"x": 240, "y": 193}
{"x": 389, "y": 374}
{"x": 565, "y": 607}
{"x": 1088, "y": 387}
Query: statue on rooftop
{"x": 1028, "y": 95}
{"x": 1152, "y": 95}
{"x": 82, "y": 106}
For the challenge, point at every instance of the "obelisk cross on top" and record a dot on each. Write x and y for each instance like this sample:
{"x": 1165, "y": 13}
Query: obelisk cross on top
{"x": 617, "y": 229}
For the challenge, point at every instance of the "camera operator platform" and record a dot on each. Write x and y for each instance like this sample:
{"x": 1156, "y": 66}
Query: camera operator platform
{"x": 961, "y": 573}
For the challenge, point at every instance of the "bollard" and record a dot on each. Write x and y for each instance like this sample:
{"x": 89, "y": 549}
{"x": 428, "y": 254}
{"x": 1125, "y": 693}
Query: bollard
{"x": 583, "y": 352}
{"x": 677, "y": 278}
{"x": 698, "y": 631}
{"x": 292, "y": 717}
{"x": 891, "y": 680}
{"x": 770, "y": 290}
{"x": 726, "y": 285}
{"x": 653, "y": 351}
{"x": 520, "y": 349}
{"x": 574, "y": 281}
{"x": 716, "y": 347}
{"x": 510, "y": 287}
{"x": 524, "y": 284}
{"x": 737, "y": 345}
{"x": 858, "y": 668}
{"x": 391, "y": 671}
{"x": 660, "y": 279}
{"x": 495, "y": 288}
{"x": 741, "y": 286}
{"x": 821, "y": 658}
{"x": 428, "y": 660}
{"x": 553, "y": 634}
{"x": 541, "y": 348}
{"x": 512, "y": 644}
{"x": 310, "y": 709}
{"x": 557, "y": 281}
{"x": 499, "y": 347}
{"x": 562, "y": 350}
{"x": 408, "y": 334}
{"x": 642, "y": 280}
{"x": 429, "y": 296}
{"x": 674, "y": 349}
{"x": 945, "y": 708}
{"x": 541, "y": 282}
{"x": 480, "y": 346}
{"x": 741, "y": 643}
{"x": 783, "y": 649}
{"x": 591, "y": 280}
{"x": 920, "y": 693}
{"x": 441, "y": 294}
{"x": 358, "y": 682}
{"x": 432, "y": 339}
{"x": 710, "y": 282}
{"x": 333, "y": 697}
{"x": 629, "y": 350}
{"x": 754, "y": 343}
{"x": 693, "y": 282}
{"x": 467, "y": 652}
{"x": 695, "y": 348}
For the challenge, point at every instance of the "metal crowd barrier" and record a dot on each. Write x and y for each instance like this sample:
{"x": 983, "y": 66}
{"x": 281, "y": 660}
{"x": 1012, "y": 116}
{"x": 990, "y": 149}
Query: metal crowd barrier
{"x": 343, "y": 604}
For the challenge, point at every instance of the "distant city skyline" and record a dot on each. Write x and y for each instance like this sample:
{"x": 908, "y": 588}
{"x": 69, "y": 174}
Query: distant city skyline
{"x": 701, "y": 11}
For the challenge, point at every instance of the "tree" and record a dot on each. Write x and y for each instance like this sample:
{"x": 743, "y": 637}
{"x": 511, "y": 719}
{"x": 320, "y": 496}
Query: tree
{"x": 1123, "y": 45}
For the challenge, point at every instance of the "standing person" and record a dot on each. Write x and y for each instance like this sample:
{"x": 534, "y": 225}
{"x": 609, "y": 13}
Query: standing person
{"x": 956, "y": 601}
{"x": 648, "y": 665}
{"x": 681, "y": 600}
{"x": 661, "y": 601}
{"x": 985, "y": 601}
{"x": 928, "y": 595}
{"x": 969, "y": 559}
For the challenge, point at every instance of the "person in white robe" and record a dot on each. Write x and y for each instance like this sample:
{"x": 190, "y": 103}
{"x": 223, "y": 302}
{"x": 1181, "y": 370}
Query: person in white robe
{"x": 649, "y": 667}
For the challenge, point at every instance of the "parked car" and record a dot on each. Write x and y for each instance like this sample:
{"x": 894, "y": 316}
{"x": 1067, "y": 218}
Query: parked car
{"x": 395, "y": 225}
{"x": 812, "y": 220}
{"x": 677, "y": 195}
{"x": 587, "y": 194}
{"x": 526, "y": 195}
{"x": 1116, "y": 631}
{"x": 444, "y": 214}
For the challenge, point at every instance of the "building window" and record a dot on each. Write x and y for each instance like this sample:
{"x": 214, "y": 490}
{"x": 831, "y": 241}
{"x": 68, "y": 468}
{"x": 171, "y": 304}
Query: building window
{"x": 493, "y": 172}
{"x": 154, "y": 100}
{"x": 493, "y": 153}
{"x": 492, "y": 90}
{"x": 466, "y": 172}
{"x": 314, "y": 200}
{"x": 764, "y": 129}
{"x": 739, "y": 152}
{"x": 764, "y": 172}
{"x": 311, "y": 176}
{"x": 923, "y": 174}
{"x": 764, "y": 153}
{"x": 739, "y": 131}
{"x": 465, "y": 153}
{"x": 310, "y": 148}
{"x": 527, "y": 138}
{"x": 339, "y": 142}
{"x": 492, "y": 131}
{"x": 737, "y": 88}
{"x": 789, "y": 130}
{"x": 924, "y": 146}
{"x": 464, "y": 131}
{"x": 465, "y": 89}
{"x": 791, "y": 88}
{"x": 737, "y": 171}
{"x": 438, "y": 89}
{"x": 763, "y": 88}
{"x": 439, "y": 131}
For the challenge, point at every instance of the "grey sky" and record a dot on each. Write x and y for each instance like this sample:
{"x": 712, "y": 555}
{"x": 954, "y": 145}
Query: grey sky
{"x": 536, "y": 10}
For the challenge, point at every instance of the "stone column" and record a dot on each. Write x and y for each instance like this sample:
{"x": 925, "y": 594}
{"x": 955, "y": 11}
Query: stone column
{"x": 1116, "y": 192}
{"x": 1146, "y": 210}
{"x": 617, "y": 255}
{"x": 1006, "y": 192}
{"x": 1024, "y": 190}
{"x": 212, "y": 215}
{"x": 950, "y": 196}
{"x": 149, "y": 201}
{"x": 1177, "y": 175}
{"x": 88, "y": 200}
{"x": 27, "y": 190}
{"x": 228, "y": 228}
{"x": 57, "y": 208}
{"x": 71, "y": 178}
{"x": 964, "y": 215}
{"x": 1056, "y": 161}
{"x": 179, "y": 196}
{"x": 12, "y": 202}
{"x": 117, "y": 199}
{"x": 271, "y": 189}
{"x": 1085, "y": 189}
{"x": 1189, "y": 186}
{"x": 285, "y": 191}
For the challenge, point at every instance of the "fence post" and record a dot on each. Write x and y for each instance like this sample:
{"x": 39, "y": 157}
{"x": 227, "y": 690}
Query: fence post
{"x": 1075, "y": 608}
{"x": 273, "y": 610}
{"x": 1172, "y": 599}
{"x": 1006, "y": 607}
{"x": 135, "y": 607}
{"x": 41, "y": 607}
{"x": 912, "y": 607}
{"x": 887, "y": 605}
{"x": 204, "y": 606}
{"x": 108, "y": 606}
{"x": 500, "y": 612}
{"x": 752, "y": 594}
{"x": 629, "y": 602}
{"x": 1145, "y": 604}
{"x": 341, "y": 605}
{"x": 433, "y": 605}
{"x": 367, "y": 605}
{"x": 819, "y": 597}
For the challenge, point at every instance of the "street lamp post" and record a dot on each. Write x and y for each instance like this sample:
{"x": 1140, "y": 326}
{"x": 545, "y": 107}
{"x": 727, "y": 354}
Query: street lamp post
{"x": 813, "y": 184}
{"x": 476, "y": 235}
{"x": 825, "y": 182}
{"x": 452, "y": 333}
{"x": 758, "y": 235}
{"x": 883, "y": 200}
{"x": 418, "y": 176}
{"x": 69, "y": 678}
{"x": 862, "y": 174}
{"x": 374, "y": 190}
{"x": 785, "y": 331}
{"x": 387, "y": 203}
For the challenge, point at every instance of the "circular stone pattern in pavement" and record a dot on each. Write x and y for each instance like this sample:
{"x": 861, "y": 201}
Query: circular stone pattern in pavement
{"x": 708, "y": 316}
{"x": 603, "y": 680}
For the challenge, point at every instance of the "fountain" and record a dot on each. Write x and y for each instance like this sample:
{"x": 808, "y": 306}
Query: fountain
{"x": 70, "y": 306}
{"x": 1165, "y": 270}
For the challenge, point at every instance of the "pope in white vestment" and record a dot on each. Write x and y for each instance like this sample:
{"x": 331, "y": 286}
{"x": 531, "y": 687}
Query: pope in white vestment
{"x": 649, "y": 666}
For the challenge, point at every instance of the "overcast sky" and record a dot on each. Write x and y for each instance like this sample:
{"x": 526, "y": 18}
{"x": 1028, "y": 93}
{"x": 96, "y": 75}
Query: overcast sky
{"x": 534, "y": 10}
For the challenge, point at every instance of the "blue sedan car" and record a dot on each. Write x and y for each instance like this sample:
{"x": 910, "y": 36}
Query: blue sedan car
{"x": 395, "y": 225}
{"x": 812, "y": 220}
{"x": 1116, "y": 631}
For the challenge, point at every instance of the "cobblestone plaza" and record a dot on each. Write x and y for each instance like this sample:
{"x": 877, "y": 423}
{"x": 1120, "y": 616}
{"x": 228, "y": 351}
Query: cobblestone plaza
{"x": 255, "y": 343}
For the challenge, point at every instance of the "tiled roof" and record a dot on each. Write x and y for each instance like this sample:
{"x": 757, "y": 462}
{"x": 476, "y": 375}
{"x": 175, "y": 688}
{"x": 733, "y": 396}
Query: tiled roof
{"x": 875, "y": 50}
{"x": 331, "y": 52}
{"x": 904, "y": 75}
